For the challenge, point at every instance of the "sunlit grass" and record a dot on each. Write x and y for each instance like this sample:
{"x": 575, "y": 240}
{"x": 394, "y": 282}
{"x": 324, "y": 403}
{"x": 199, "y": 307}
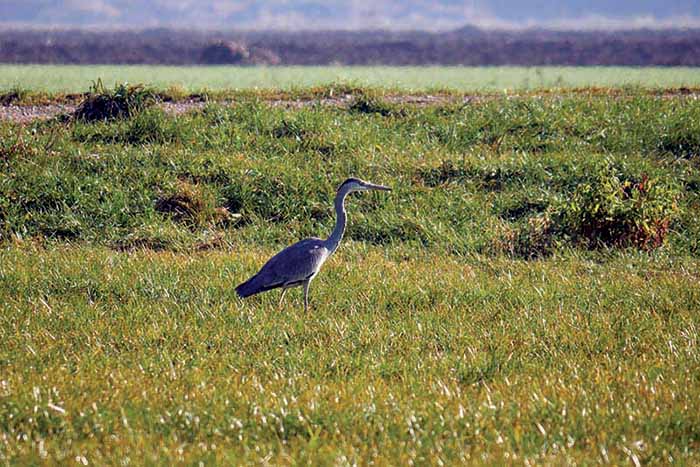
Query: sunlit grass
{"x": 150, "y": 355}
{"x": 434, "y": 336}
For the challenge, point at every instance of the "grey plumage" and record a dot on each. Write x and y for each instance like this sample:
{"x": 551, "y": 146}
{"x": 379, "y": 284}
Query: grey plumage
{"x": 299, "y": 263}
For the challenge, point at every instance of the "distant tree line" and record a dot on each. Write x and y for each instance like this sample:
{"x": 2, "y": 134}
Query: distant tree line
{"x": 467, "y": 46}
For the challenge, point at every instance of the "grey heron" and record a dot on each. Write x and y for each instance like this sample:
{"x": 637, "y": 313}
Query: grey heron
{"x": 299, "y": 263}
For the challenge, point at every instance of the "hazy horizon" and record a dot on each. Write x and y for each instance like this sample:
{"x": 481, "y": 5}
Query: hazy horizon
{"x": 290, "y": 15}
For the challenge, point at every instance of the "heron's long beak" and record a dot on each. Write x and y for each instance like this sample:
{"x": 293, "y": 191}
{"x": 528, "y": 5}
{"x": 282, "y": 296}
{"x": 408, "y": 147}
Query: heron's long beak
{"x": 372, "y": 186}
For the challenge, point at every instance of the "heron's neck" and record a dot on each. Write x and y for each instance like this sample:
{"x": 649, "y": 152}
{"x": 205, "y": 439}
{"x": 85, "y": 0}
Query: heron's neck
{"x": 340, "y": 220}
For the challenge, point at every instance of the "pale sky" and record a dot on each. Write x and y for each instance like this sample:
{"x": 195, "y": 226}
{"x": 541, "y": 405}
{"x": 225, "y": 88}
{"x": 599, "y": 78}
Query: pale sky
{"x": 353, "y": 14}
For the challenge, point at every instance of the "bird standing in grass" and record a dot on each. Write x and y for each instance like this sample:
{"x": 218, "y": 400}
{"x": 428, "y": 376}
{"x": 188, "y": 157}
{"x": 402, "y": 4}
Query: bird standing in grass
{"x": 298, "y": 264}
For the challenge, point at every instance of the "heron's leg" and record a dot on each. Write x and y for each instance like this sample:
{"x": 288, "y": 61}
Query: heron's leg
{"x": 284, "y": 291}
{"x": 306, "y": 295}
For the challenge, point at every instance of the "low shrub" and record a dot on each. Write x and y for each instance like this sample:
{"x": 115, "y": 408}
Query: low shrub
{"x": 613, "y": 208}
{"x": 607, "y": 207}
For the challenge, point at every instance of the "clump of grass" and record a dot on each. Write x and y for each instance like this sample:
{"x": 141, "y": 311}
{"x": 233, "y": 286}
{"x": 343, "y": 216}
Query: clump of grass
{"x": 332, "y": 90}
{"x": 488, "y": 177}
{"x": 290, "y": 129}
{"x": 612, "y": 208}
{"x": 682, "y": 139}
{"x": 152, "y": 126}
{"x": 11, "y": 148}
{"x": 500, "y": 126}
{"x": 522, "y": 208}
{"x": 174, "y": 93}
{"x": 191, "y": 204}
{"x": 153, "y": 236}
{"x": 387, "y": 230}
{"x": 19, "y": 95}
{"x": 366, "y": 103}
{"x": 304, "y": 134}
{"x": 124, "y": 101}
{"x": 446, "y": 172}
{"x": 532, "y": 238}
{"x": 13, "y": 96}
{"x": 269, "y": 198}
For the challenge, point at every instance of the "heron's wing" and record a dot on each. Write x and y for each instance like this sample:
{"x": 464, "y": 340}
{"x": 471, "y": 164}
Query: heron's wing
{"x": 297, "y": 262}
{"x": 291, "y": 266}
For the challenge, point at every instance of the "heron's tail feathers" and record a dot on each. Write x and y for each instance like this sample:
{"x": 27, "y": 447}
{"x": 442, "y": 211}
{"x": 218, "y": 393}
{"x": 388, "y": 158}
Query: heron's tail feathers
{"x": 253, "y": 286}
{"x": 247, "y": 288}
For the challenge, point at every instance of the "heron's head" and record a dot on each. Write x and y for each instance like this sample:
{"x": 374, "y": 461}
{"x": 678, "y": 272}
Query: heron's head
{"x": 355, "y": 184}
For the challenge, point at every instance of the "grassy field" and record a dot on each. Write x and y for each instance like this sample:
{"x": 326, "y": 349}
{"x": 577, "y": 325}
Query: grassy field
{"x": 62, "y": 78}
{"x": 528, "y": 291}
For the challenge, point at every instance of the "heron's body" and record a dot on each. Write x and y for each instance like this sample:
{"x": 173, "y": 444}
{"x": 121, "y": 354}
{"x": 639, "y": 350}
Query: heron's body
{"x": 299, "y": 263}
{"x": 290, "y": 267}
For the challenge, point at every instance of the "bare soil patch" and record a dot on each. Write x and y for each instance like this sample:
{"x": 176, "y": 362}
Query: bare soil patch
{"x": 27, "y": 113}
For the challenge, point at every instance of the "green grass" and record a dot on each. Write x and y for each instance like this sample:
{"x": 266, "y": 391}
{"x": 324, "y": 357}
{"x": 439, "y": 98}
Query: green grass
{"x": 434, "y": 335}
{"x": 60, "y": 78}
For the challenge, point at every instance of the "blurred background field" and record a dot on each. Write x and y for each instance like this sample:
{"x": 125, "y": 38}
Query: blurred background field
{"x": 77, "y": 78}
